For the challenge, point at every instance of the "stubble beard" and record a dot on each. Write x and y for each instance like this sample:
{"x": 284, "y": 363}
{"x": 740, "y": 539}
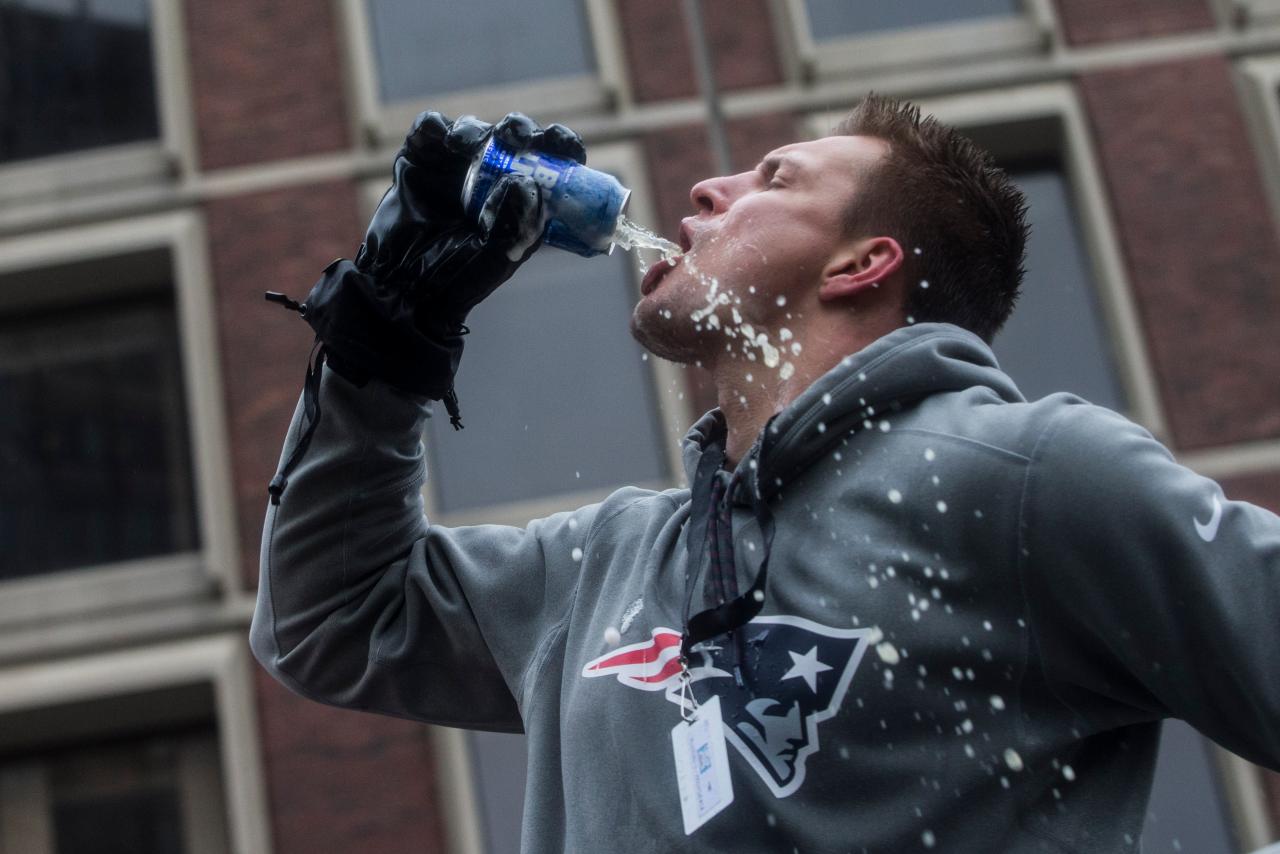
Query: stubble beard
{"x": 671, "y": 338}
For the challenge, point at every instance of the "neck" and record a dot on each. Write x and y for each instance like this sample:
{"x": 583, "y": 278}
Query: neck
{"x": 749, "y": 394}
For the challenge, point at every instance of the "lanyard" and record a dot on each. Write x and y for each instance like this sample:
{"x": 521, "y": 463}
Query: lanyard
{"x": 740, "y": 610}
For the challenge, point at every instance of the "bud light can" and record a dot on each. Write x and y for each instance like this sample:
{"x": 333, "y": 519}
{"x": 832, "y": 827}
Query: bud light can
{"x": 583, "y": 205}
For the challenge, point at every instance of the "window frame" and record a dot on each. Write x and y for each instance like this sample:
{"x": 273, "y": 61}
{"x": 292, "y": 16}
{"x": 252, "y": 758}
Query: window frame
{"x": 675, "y": 409}
{"x": 1030, "y": 34}
{"x": 222, "y": 660}
{"x": 184, "y": 576}
{"x": 1058, "y": 102}
{"x": 1248, "y": 14}
{"x": 1258, "y": 82}
{"x": 377, "y": 124}
{"x": 149, "y": 163}
{"x": 26, "y": 785}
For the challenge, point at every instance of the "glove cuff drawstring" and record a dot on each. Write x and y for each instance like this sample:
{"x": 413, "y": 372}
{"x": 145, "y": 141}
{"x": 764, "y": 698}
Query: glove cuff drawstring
{"x": 310, "y": 402}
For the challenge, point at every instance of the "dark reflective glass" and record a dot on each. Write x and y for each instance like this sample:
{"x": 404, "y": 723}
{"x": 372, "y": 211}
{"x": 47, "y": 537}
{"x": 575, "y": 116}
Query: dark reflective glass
{"x": 127, "y": 796}
{"x": 93, "y": 438}
{"x": 1056, "y": 339}
{"x": 831, "y": 19}
{"x": 74, "y": 75}
{"x": 143, "y": 821}
{"x": 540, "y": 419}
{"x": 423, "y": 49}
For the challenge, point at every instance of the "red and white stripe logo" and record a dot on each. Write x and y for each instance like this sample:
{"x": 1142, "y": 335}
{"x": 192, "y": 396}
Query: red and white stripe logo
{"x": 649, "y": 666}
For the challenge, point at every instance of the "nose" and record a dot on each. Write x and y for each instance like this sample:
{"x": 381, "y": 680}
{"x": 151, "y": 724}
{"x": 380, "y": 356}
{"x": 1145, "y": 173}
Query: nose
{"x": 714, "y": 195}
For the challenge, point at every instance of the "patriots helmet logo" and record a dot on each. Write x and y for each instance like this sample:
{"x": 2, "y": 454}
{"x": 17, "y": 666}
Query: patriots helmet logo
{"x": 795, "y": 674}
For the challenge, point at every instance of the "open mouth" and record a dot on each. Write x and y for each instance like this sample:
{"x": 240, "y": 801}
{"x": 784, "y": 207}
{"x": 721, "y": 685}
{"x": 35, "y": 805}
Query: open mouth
{"x": 654, "y": 274}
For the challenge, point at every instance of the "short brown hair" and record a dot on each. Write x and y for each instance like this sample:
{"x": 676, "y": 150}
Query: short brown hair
{"x": 959, "y": 218}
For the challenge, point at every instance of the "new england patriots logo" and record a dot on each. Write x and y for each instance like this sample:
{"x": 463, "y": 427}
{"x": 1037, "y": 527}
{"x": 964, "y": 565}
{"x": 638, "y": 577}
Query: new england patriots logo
{"x": 795, "y": 675}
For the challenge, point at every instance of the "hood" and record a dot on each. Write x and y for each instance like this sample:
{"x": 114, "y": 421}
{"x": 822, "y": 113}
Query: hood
{"x": 890, "y": 374}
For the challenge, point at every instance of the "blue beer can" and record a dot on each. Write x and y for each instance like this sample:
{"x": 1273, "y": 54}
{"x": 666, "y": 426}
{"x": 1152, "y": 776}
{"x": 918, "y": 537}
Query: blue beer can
{"x": 583, "y": 205}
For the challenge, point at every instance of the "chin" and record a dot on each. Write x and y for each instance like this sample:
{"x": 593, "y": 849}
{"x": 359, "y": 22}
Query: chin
{"x": 673, "y": 339}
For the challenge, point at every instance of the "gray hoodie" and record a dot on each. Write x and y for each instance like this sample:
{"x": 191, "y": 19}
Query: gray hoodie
{"x": 977, "y": 612}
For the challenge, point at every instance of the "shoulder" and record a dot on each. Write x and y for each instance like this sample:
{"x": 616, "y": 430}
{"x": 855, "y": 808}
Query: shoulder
{"x": 630, "y": 506}
{"x": 1079, "y": 440}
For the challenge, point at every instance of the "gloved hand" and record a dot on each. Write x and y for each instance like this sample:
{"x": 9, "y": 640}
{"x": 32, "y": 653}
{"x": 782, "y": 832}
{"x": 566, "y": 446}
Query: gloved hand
{"x": 397, "y": 311}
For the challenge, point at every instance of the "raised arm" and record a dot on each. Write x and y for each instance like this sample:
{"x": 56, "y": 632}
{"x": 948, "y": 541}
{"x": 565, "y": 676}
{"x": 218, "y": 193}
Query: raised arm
{"x": 361, "y": 602}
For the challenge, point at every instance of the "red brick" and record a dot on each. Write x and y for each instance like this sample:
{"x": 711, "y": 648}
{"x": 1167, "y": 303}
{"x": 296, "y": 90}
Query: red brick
{"x": 752, "y": 138}
{"x": 1086, "y": 22}
{"x": 1199, "y": 240}
{"x": 742, "y": 40}
{"x": 267, "y": 80}
{"x": 278, "y": 240}
{"x": 655, "y": 41}
{"x": 660, "y": 64}
{"x": 1260, "y": 488}
{"x": 346, "y": 781}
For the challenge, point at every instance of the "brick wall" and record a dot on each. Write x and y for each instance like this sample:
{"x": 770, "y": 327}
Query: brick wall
{"x": 1195, "y": 230}
{"x": 280, "y": 241}
{"x": 659, "y": 57}
{"x": 1089, "y": 22}
{"x": 346, "y": 781}
{"x": 1199, "y": 242}
{"x": 267, "y": 80}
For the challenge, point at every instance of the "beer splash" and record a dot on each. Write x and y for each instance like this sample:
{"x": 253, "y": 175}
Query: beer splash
{"x": 631, "y": 236}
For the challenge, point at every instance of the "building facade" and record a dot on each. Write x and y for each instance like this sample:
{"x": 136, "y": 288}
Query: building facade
{"x": 164, "y": 162}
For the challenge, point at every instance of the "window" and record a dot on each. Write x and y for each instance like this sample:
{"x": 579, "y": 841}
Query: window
{"x": 92, "y": 98}
{"x": 1259, "y": 77}
{"x": 499, "y": 763}
{"x": 837, "y": 38}
{"x": 137, "y": 751}
{"x": 421, "y": 52}
{"x": 555, "y": 394}
{"x": 1056, "y": 339}
{"x": 116, "y": 489}
{"x": 549, "y": 57}
{"x": 153, "y": 794}
{"x": 833, "y": 19}
{"x": 76, "y": 74}
{"x": 1075, "y": 327}
{"x": 93, "y": 432}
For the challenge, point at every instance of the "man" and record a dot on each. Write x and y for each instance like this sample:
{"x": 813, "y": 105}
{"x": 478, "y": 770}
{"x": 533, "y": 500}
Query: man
{"x": 899, "y": 606}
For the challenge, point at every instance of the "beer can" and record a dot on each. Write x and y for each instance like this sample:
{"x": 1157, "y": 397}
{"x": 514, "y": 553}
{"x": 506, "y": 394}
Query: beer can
{"x": 583, "y": 205}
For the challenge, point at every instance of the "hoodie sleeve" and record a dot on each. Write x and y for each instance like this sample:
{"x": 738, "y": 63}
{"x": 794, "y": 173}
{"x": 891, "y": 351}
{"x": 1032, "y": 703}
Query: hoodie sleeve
{"x": 1151, "y": 593}
{"x": 363, "y": 604}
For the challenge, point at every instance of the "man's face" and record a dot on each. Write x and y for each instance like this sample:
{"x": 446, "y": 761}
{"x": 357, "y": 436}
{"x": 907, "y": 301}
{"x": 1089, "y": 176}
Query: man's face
{"x": 755, "y": 252}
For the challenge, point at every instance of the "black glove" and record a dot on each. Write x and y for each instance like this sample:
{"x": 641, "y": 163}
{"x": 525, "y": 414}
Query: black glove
{"x": 397, "y": 312}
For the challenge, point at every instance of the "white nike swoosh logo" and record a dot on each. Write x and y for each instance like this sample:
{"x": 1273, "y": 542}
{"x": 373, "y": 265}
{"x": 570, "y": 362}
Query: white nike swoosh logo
{"x": 1209, "y": 530}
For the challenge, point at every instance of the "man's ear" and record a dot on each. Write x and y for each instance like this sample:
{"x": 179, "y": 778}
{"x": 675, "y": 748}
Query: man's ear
{"x": 865, "y": 265}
